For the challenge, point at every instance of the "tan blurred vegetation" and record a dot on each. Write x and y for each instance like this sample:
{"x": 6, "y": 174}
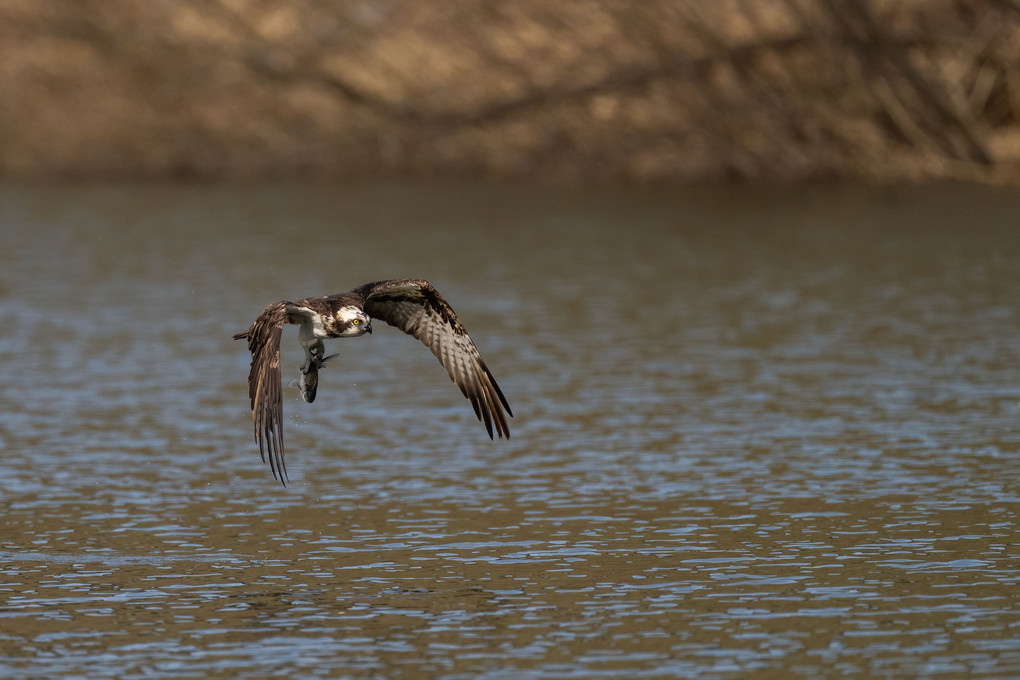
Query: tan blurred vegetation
{"x": 573, "y": 91}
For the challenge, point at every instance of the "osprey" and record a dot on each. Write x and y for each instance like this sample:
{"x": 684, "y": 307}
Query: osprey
{"x": 412, "y": 305}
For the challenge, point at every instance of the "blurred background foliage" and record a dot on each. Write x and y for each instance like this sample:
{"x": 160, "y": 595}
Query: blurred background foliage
{"x": 592, "y": 91}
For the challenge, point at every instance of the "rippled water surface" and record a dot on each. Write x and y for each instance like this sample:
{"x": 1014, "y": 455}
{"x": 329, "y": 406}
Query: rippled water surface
{"x": 757, "y": 434}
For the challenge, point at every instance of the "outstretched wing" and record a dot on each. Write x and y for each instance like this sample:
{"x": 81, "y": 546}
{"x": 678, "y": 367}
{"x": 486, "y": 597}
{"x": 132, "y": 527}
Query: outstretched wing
{"x": 415, "y": 307}
{"x": 264, "y": 388}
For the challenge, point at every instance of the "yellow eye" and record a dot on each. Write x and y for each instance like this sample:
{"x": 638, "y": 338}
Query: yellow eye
{"x": 357, "y": 322}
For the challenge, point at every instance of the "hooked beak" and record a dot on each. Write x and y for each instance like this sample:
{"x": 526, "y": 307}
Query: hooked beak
{"x": 368, "y": 327}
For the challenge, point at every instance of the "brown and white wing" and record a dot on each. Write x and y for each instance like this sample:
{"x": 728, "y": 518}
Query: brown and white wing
{"x": 415, "y": 307}
{"x": 264, "y": 384}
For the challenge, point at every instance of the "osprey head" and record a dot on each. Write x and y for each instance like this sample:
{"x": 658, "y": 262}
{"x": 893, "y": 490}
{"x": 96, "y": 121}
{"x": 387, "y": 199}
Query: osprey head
{"x": 349, "y": 322}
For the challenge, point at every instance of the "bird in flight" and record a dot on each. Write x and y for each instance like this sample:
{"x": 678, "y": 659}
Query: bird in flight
{"x": 412, "y": 305}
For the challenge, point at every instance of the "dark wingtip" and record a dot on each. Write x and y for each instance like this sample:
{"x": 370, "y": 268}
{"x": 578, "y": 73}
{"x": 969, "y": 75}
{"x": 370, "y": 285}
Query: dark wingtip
{"x": 499, "y": 392}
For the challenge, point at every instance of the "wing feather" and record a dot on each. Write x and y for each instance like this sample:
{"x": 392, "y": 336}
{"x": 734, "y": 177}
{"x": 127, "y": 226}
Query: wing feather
{"x": 415, "y": 307}
{"x": 264, "y": 385}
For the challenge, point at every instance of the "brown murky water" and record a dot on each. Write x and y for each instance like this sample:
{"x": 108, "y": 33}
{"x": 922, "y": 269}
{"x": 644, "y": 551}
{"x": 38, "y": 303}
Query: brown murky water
{"x": 758, "y": 434}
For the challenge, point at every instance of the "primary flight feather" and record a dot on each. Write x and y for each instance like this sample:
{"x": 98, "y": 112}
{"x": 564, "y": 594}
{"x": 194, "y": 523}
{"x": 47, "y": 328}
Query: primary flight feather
{"x": 412, "y": 305}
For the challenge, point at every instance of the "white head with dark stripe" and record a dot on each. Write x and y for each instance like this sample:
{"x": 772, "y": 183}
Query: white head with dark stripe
{"x": 348, "y": 322}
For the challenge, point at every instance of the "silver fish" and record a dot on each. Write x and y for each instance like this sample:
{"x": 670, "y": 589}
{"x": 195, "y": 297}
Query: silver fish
{"x": 308, "y": 383}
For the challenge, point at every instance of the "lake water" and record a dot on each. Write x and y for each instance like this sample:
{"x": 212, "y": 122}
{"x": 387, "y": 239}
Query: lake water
{"x": 758, "y": 433}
